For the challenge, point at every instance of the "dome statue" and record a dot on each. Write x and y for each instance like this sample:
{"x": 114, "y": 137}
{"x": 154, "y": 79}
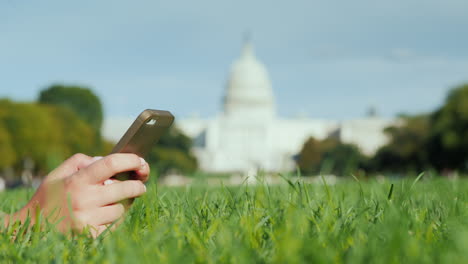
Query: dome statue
{"x": 248, "y": 91}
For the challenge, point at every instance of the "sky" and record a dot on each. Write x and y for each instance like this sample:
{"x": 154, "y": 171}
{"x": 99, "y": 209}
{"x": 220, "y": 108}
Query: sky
{"x": 328, "y": 59}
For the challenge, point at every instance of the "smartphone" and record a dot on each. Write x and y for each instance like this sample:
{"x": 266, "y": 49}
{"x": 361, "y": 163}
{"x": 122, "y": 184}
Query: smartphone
{"x": 142, "y": 135}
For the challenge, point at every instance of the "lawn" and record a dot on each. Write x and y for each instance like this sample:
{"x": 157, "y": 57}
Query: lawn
{"x": 389, "y": 221}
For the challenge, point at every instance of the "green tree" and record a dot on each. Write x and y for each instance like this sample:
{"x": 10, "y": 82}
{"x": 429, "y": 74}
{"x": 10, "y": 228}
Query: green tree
{"x": 173, "y": 153}
{"x": 31, "y": 131}
{"x": 449, "y": 137}
{"x": 46, "y": 134}
{"x": 7, "y": 152}
{"x": 83, "y": 102}
{"x": 76, "y": 136}
{"x": 330, "y": 156}
{"x": 407, "y": 150}
{"x": 310, "y": 156}
{"x": 79, "y": 99}
{"x": 344, "y": 159}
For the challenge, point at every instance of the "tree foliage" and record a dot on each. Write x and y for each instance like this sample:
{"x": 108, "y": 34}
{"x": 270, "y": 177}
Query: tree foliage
{"x": 173, "y": 153}
{"x": 80, "y": 100}
{"x": 330, "y": 156}
{"x": 345, "y": 159}
{"x": 408, "y": 146}
{"x": 449, "y": 137}
{"x": 7, "y": 152}
{"x": 310, "y": 157}
{"x": 42, "y": 133}
{"x": 438, "y": 140}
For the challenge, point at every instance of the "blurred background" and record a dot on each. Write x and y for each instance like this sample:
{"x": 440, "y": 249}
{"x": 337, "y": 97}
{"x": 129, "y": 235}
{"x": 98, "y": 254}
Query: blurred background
{"x": 340, "y": 87}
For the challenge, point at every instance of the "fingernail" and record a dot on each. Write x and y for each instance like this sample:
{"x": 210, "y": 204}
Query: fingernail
{"x": 144, "y": 186}
{"x": 142, "y": 162}
{"x": 108, "y": 181}
{"x": 94, "y": 159}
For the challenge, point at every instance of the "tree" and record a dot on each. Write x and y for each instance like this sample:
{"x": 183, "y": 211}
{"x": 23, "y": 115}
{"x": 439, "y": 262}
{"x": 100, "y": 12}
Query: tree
{"x": 173, "y": 153}
{"x": 310, "y": 156}
{"x": 329, "y": 156}
{"x": 46, "y": 134}
{"x": 449, "y": 137}
{"x": 80, "y": 100}
{"x": 407, "y": 149}
{"x": 344, "y": 159}
{"x": 31, "y": 132}
{"x": 76, "y": 136}
{"x": 7, "y": 152}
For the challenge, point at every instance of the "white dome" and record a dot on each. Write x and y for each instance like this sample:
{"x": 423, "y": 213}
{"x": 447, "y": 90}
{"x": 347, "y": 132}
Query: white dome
{"x": 249, "y": 90}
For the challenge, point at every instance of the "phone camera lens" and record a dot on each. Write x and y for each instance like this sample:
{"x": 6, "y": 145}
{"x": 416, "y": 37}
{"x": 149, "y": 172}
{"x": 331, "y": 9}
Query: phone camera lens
{"x": 151, "y": 121}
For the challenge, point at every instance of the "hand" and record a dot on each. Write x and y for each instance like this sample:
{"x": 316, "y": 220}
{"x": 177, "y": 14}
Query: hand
{"x": 75, "y": 194}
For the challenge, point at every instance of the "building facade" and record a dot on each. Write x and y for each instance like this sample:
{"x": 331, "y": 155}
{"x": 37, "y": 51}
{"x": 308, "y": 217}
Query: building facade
{"x": 249, "y": 135}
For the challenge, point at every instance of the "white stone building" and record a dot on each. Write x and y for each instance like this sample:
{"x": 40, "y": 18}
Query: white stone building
{"x": 249, "y": 135}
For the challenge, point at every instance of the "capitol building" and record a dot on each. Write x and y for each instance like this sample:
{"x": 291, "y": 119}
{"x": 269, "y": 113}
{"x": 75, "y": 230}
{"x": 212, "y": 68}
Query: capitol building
{"x": 248, "y": 135}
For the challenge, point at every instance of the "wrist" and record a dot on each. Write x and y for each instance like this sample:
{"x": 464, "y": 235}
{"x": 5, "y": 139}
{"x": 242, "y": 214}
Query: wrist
{"x": 4, "y": 218}
{"x": 20, "y": 216}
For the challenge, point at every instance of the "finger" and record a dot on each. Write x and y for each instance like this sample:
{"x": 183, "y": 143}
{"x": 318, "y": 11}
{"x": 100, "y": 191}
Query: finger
{"x": 106, "y": 214}
{"x": 119, "y": 191}
{"x": 70, "y": 166}
{"x": 107, "y": 167}
{"x": 89, "y": 162}
{"x": 99, "y": 216}
{"x": 143, "y": 173}
{"x": 97, "y": 231}
{"x": 77, "y": 162}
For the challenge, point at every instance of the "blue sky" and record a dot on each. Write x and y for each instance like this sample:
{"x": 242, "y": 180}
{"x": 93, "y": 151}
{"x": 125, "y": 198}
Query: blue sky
{"x": 327, "y": 59}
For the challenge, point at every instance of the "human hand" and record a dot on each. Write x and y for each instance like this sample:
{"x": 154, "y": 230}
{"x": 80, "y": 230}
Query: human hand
{"x": 75, "y": 196}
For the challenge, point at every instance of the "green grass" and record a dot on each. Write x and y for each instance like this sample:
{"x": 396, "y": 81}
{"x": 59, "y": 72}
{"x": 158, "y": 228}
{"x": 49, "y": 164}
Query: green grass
{"x": 350, "y": 222}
